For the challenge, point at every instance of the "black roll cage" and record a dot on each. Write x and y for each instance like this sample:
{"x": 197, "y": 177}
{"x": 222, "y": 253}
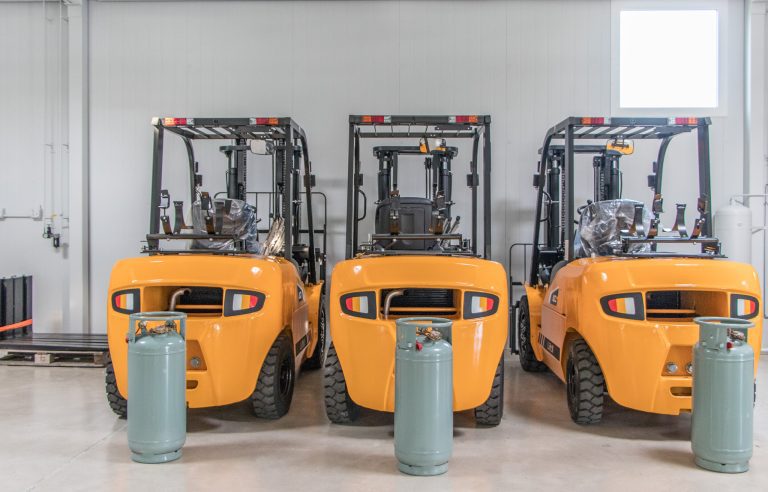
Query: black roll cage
{"x": 555, "y": 178}
{"x": 291, "y": 150}
{"x": 408, "y": 126}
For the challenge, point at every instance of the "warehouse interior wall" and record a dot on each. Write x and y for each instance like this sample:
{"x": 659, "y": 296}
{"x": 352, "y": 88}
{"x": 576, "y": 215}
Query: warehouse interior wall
{"x": 38, "y": 187}
{"x": 756, "y": 136}
{"x": 529, "y": 64}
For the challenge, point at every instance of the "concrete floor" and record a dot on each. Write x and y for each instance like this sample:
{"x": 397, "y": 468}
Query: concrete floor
{"x": 57, "y": 433}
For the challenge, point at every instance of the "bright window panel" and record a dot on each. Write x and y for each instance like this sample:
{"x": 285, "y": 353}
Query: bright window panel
{"x": 668, "y": 59}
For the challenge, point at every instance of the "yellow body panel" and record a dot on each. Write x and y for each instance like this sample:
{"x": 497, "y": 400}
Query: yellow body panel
{"x": 633, "y": 353}
{"x": 232, "y": 348}
{"x": 366, "y": 347}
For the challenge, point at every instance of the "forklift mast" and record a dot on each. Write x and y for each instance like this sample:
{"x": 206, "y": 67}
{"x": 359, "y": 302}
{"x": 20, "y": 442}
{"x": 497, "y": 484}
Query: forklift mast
{"x": 607, "y": 176}
{"x": 438, "y": 178}
{"x": 236, "y": 169}
{"x": 437, "y": 170}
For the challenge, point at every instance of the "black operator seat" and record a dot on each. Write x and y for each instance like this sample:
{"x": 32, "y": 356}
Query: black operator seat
{"x": 415, "y": 213}
{"x": 415, "y": 218}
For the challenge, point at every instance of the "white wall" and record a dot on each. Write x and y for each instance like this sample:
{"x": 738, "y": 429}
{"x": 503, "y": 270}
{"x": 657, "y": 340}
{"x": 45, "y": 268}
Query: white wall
{"x": 527, "y": 63}
{"x": 32, "y": 160}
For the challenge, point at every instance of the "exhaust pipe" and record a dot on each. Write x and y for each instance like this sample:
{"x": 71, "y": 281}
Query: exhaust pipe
{"x": 388, "y": 300}
{"x": 175, "y": 297}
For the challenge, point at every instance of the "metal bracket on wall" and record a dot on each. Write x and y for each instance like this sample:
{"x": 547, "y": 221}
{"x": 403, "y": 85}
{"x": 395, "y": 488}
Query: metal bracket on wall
{"x": 34, "y": 214}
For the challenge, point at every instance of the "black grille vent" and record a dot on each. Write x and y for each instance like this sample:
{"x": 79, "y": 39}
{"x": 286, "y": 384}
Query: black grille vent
{"x": 202, "y": 295}
{"x": 201, "y": 300}
{"x": 421, "y": 298}
{"x": 663, "y": 299}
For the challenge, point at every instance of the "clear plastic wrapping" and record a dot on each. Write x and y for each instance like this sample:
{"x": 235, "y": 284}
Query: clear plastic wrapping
{"x": 601, "y": 226}
{"x": 239, "y": 221}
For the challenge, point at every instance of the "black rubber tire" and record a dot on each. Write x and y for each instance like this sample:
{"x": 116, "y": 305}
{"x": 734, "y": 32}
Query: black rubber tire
{"x": 339, "y": 406}
{"x": 528, "y": 360}
{"x": 585, "y": 385}
{"x": 117, "y": 403}
{"x": 490, "y": 412}
{"x": 317, "y": 359}
{"x": 274, "y": 389}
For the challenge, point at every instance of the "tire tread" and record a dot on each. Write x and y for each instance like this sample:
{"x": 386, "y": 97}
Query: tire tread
{"x": 339, "y": 407}
{"x": 117, "y": 403}
{"x": 591, "y": 394}
{"x": 490, "y": 412}
{"x": 265, "y": 400}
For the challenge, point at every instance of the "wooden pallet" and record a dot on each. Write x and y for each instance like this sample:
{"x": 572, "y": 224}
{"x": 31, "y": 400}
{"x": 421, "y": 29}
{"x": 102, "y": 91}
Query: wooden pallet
{"x": 54, "y": 350}
{"x": 52, "y": 359}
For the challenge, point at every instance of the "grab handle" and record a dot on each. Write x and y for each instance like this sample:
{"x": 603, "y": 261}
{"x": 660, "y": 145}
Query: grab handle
{"x": 408, "y": 328}
{"x": 141, "y": 320}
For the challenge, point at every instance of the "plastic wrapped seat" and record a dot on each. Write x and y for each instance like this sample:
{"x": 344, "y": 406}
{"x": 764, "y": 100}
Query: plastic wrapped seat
{"x": 239, "y": 220}
{"x": 601, "y": 225}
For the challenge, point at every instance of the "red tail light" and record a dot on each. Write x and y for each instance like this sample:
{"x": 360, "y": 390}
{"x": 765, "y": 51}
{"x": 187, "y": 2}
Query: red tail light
{"x": 266, "y": 121}
{"x": 376, "y": 118}
{"x": 592, "y": 120}
{"x": 479, "y": 304}
{"x": 126, "y": 301}
{"x": 237, "y": 302}
{"x": 686, "y": 121}
{"x": 629, "y": 306}
{"x": 744, "y": 307}
{"x": 467, "y": 118}
{"x": 177, "y": 121}
{"x": 359, "y": 304}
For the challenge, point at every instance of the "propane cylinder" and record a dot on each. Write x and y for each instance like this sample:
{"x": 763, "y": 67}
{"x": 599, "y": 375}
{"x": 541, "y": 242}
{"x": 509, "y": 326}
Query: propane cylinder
{"x": 157, "y": 406}
{"x": 423, "y": 395}
{"x": 733, "y": 226}
{"x": 723, "y": 395}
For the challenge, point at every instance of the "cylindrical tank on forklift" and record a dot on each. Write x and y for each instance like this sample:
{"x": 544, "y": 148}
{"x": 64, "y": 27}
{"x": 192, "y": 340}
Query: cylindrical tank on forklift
{"x": 723, "y": 395}
{"x": 423, "y": 395}
{"x": 157, "y": 407}
{"x": 733, "y": 226}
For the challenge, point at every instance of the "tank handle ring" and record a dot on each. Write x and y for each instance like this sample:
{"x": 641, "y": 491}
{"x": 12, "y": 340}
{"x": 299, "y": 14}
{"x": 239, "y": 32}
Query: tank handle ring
{"x": 409, "y": 328}
{"x": 735, "y": 329}
{"x": 169, "y": 317}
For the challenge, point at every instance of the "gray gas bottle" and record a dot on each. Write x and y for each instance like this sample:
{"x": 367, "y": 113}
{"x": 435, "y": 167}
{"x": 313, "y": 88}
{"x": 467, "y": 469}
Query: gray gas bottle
{"x": 423, "y": 395}
{"x": 157, "y": 406}
{"x": 723, "y": 395}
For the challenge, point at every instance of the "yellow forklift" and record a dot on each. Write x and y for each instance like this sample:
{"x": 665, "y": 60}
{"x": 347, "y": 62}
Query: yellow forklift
{"x": 243, "y": 265}
{"x": 416, "y": 263}
{"x": 610, "y": 299}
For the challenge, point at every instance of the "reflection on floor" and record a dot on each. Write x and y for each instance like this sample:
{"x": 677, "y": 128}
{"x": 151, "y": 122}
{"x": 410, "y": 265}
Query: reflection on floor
{"x": 57, "y": 433}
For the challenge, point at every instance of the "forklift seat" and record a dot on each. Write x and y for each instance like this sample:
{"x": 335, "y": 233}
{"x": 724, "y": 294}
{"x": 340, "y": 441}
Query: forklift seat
{"x": 239, "y": 220}
{"x": 415, "y": 218}
{"x": 602, "y": 226}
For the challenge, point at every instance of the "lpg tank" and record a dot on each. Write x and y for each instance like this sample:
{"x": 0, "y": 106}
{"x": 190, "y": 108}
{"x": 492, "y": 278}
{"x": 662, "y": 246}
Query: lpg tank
{"x": 723, "y": 395}
{"x": 423, "y": 395}
{"x": 157, "y": 407}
